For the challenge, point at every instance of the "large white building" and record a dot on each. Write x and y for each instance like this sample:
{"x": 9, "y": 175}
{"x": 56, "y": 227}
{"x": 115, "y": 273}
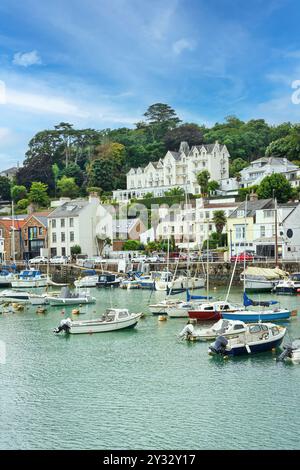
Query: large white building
{"x": 176, "y": 169}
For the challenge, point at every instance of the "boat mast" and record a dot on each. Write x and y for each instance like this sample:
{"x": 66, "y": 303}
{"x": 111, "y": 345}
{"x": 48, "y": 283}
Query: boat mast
{"x": 276, "y": 234}
{"x": 13, "y": 232}
{"x": 246, "y": 206}
{"x": 207, "y": 263}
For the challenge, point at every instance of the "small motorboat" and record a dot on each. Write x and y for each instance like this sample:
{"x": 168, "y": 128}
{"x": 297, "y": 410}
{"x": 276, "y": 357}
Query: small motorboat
{"x": 291, "y": 352}
{"x": 38, "y": 299}
{"x": 114, "y": 319}
{"x": 108, "y": 280}
{"x": 66, "y": 297}
{"x": 288, "y": 286}
{"x": 164, "y": 306}
{"x": 257, "y": 337}
{"x": 89, "y": 278}
{"x": 13, "y": 295}
{"x": 166, "y": 282}
{"x": 226, "y": 328}
{"x": 29, "y": 278}
{"x": 6, "y": 278}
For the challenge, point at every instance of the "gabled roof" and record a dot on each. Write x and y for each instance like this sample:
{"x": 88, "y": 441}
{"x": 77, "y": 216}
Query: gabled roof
{"x": 252, "y": 207}
{"x": 8, "y": 223}
{"x": 69, "y": 209}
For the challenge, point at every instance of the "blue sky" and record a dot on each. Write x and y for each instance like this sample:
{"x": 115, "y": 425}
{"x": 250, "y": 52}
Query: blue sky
{"x": 101, "y": 63}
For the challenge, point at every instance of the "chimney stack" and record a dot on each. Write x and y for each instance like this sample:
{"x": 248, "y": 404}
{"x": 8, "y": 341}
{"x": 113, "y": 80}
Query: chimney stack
{"x": 253, "y": 197}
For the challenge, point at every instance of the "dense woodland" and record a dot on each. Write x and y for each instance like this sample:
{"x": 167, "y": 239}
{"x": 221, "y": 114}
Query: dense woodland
{"x": 71, "y": 161}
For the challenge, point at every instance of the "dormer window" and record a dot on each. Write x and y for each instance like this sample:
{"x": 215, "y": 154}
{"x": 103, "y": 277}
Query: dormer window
{"x": 241, "y": 213}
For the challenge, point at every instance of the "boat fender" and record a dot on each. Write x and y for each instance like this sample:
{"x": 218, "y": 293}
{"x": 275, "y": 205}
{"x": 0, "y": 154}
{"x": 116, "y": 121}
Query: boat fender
{"x": 248, "y": 348}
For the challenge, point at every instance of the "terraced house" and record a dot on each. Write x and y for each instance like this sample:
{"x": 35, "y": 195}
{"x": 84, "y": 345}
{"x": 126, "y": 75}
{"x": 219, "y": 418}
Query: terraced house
{"x": 176, "y": 169}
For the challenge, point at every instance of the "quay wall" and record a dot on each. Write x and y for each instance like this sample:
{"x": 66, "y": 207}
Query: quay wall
{"x": 219, "y": 272}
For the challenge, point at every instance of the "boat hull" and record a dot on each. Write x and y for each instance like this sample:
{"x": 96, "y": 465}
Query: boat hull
{"x": 97, "y": 327}
{"x": 198, "y": 283}
{"x": 259, "y": 286}
{"x": 75, "y": 301}
{"x": 20, "y": 284}
{"x": 248, "y": 316}
{"x": 108, "y": 284}
{"x": 255, "y": 348}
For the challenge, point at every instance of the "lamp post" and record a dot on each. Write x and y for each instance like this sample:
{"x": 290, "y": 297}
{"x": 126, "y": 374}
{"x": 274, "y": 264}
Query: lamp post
{"x": 230, "y": 242}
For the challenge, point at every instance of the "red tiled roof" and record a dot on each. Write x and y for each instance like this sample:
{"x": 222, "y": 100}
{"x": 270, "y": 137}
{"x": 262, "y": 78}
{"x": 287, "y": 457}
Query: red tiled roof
{"x": 7, "y": 223}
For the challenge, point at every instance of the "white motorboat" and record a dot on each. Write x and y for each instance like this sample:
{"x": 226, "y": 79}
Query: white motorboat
{"x": 182, "y": 310}
{"x": 66, "y": 297}
{"x": 36, "y": 299}
{"x": 10, "y": 295}
{"x": 6, "y": 278}
{"x": 181, "y": 282}
{"x": 114, "y": 319}
{"x": 289, "y": 286}
{"x": 164, "y": 306}
{"x": 291, "y": 352}
{"x": 89, "y": 278}
{"x": 257, "y": 337}
{"x": 227, "y": 328}
{"x": 262, "y": 279}
{"x": 29, "y": 278}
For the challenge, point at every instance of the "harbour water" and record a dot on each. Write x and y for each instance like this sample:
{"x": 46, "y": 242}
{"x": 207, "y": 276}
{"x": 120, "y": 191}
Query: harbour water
{"x": 141, "y": 388}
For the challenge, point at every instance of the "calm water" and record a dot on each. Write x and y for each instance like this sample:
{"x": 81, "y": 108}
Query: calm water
{"x": 141, "y": 388}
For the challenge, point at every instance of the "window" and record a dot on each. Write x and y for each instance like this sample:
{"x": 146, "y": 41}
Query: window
{"x": 63, "y": 236}
{"x": 1, "y": 232}
{"x": 268, "y": 213}
{"x": 53, "y": 237}
{"x": 40, "y": 230}
{"x": 71, "y": 236}
{"x": 241, "y": 213}
{"x": 63, "y": 251}
{"x": 207, "y": 215}
{"x": 71, "y": 222}
{"x": 262, "y": 231}
{"x": 240, "y": 232}
{"x": 53, "y": 223}
{"x": 62, "y": 222}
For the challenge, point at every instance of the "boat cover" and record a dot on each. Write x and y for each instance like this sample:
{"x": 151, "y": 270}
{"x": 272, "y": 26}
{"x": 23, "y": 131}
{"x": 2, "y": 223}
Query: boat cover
{"x": 267, "y": 273}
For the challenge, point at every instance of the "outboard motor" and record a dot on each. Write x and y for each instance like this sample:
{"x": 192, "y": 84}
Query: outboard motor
{"x": 64, "y": 325}
{"x": 187, "y": 331}
{"x": 287, "y": 352}
{"x": 219, "y": 346}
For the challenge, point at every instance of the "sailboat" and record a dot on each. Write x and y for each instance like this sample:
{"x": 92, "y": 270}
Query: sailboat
{"x": 245, "y": 315}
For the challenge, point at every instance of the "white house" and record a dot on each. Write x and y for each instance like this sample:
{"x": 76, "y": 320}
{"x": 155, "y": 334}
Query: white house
{"x": 290, "y": 232}
{"x": 265, "y": 166}
{"x": 176, "y": 169}
{"x": 264, "y": 229}
{"x": 80, "y": 222}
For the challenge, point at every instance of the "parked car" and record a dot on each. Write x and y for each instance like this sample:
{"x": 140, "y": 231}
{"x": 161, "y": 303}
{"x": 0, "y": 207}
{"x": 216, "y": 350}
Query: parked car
{"x": 210, "y": 256}
{"x": 245, "y": 256}
{"x": 155, "y": 259}
{"x": 178, "y": 256}
{"x": 59, "y": 260}
{"x": 139, "y": 259}
{"x": 38, "y": 260}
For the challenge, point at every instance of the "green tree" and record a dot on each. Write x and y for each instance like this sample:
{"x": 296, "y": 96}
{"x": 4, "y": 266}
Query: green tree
{"x": 212, "y": 186}
{"x": 75, "y": 250}
{"x": 161, "y": 113}
{"x": 202, "y": 180}
{"x": 219, "y": 219}
{"x": 275, "y": 185}
{"x": 175, "y": 192}
{"x": 67, "y": 187}
{"x": 236, "y": 166}
{"x": 55, "y": 172}
{"x": 5, "y": 188}
{"x": 38, "y": 194}
{"x": 22, "y": 204}
{"x": 190, "y": 133}
{"x": 133, "y": 245}
{"x": 18, "y": 193}
{"x": 106, "y": 169}
{"x": 74, "y": 171}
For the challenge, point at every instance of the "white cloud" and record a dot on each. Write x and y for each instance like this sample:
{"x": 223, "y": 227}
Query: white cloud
{"x": 27, "y": 58}
{"x": 182, "y": 44}
{"x": 4, "y": 133}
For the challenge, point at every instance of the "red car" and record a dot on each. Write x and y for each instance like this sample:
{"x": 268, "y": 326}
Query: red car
{"x": 242, "y": 257}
